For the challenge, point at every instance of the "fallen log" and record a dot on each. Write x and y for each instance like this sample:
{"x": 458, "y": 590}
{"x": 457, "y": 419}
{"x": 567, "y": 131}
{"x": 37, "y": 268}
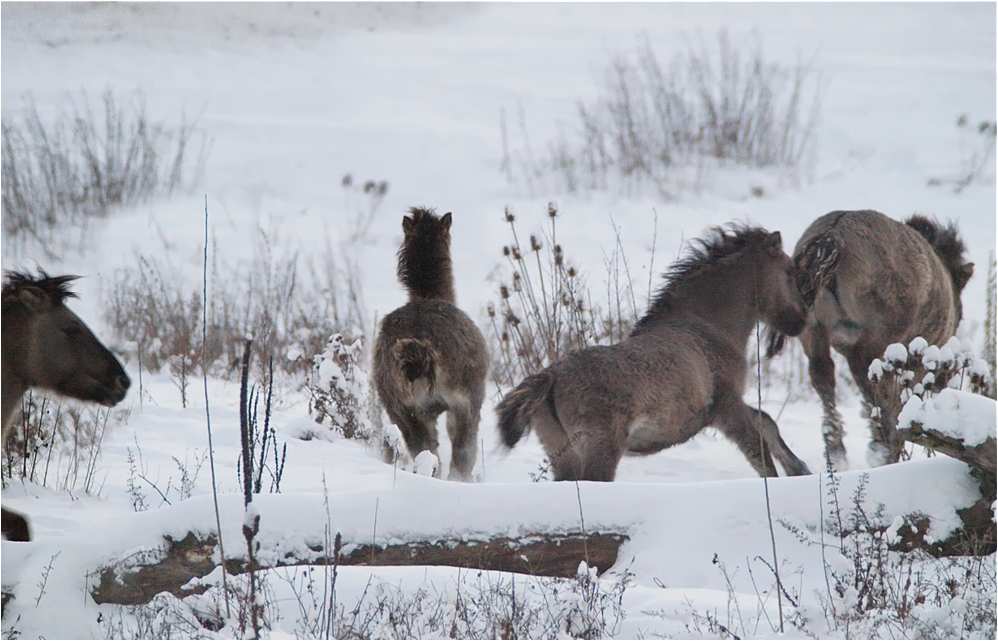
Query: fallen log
{"x": 136, "y": 581}
{"x": 979, "y": 535}
{"x": 982, "y": 456}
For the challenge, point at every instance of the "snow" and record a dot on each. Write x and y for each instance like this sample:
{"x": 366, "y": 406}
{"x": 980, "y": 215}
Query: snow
{"x": 895, "y": 353}
{"x": 953, "y": 413}
{"x": 412, "y": 94}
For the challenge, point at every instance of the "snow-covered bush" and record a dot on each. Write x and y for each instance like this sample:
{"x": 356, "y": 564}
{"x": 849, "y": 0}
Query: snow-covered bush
{"x": 345, "y": 404}
{"x": 923, "y": 370}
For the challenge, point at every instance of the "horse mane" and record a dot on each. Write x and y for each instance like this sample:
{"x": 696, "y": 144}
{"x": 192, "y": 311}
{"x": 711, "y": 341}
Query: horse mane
{"x": 719, "y": 245}
{"x": 55, "y": 287}
{"x": 424, "y": 262}
{"x": 945, "y": 241}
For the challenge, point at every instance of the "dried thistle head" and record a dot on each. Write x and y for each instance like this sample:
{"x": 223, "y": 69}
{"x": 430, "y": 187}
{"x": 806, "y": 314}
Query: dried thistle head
{"x": 490, "y": 309}
{"x": 516, "y": 253}
{"x": 559, "y": 257}
{"x": 517, "y": 282}
{"x": 503, "y": 291}
{"x": 552, "y": 209}
{"x": 505, "y": 250}
{"x": 509, "y": 215}
{"x": 571, "y": 272}
{"x": 535, "y": 245}
{"x": 505, "y": 337}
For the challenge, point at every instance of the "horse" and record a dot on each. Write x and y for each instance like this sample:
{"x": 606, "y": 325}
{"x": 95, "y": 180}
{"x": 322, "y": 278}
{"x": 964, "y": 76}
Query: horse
{"x": 47, "y": 346}
{"x": 429, "y": 357}
{"x": 683, "y": 367}
{"x": 870, "y": 281}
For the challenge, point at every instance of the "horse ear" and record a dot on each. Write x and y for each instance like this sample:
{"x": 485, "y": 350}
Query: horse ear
{"x": 446, "y": 220}
{"x": 33, "y": 298}
{"x": 775, "y": 242}
{"x": 965, "y": 272}
{"x": 406, "y": 225}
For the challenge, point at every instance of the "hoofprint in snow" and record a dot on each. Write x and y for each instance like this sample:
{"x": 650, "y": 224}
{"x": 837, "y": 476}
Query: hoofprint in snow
{"x": 293, "y": 101}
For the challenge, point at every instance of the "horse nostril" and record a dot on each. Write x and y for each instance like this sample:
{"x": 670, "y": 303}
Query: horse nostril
{"x": 124, "y": 382}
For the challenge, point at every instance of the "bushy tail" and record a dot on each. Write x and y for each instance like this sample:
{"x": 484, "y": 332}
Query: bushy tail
{"x": 416, "y": 358}
{"x": 516, "y": 409}
{"x": 815, "y": 266}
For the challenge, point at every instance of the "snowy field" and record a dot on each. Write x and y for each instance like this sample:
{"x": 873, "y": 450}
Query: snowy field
{"x": 293, "y": 97}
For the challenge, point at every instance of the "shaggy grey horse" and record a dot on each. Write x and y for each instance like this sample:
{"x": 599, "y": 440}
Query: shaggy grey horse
{"x": 47, "y": 346}
{"x": 682, "y": 369}
{"x": 429, "y": 357}
{"x": 870, "y": 281}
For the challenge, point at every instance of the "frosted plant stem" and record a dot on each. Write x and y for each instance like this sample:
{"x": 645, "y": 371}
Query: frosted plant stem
{"x": 207, "y": 413}
{"x": 765, "y": 479}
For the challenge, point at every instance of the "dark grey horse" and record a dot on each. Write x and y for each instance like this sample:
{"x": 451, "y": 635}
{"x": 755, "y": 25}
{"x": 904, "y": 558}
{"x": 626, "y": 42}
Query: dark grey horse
{"x": 47, "y": 346}
{"x": 870, "y": 281}
{"x": 429, "y": 357}
{"x": 682, "y": 369}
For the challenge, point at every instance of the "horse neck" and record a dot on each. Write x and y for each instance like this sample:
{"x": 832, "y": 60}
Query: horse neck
{"x": 722, "y": 297}
{"x": 11, "y": 366}
{"x": 428, "y": 275}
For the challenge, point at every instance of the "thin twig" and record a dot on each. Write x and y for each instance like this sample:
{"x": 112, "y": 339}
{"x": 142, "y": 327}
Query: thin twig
{"x": 207, "y": 412}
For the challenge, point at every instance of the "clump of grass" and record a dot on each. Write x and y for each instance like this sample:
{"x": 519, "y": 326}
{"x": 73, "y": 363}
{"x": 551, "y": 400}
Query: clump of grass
{"x": 57, "y": 443}
{"x": 546, "y": 310}
{"x": 62, "y": 174}
{"x": 668, "y": 124}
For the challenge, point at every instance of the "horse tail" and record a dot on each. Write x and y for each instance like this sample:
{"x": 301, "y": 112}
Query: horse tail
{"x": 517, "y": 408}
{"x": 815, "y": 266}
{"x": 416, "y": 359}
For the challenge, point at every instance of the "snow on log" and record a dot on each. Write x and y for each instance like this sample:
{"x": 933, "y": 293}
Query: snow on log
{"x": 136, "y": 581}
{"x": 958, "y": 424}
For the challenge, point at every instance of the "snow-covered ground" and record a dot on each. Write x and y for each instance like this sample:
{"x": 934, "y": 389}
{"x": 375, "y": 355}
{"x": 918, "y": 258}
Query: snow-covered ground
{"x": 294, "y": 96}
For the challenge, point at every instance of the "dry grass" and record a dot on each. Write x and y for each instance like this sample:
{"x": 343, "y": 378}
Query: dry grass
{"x": 668, "y": 124}
{"x": 58, "y": 176}
{"x": 546, "y": 310}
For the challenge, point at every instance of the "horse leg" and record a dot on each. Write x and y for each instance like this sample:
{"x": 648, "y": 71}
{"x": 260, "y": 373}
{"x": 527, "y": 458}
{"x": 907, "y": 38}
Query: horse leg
{"x": 601, "y": 453}
{"x": 881, "y": 405}
{"x": 821, "y": 367}
{"x": 792, "y": 465}
{"x": 563, "y": 455}
{"x": 462, "y": 427}
{"x": 419, "y": 433}
{"x": 14, "y": 526}
{"x": 735, "y": 420}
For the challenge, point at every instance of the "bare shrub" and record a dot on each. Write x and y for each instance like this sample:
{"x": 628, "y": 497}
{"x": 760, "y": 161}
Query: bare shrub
{"x": 57, "y": 442}
{"x": 84, "y": 165}
{"x": 666, "y": 124}
{"x": 547, "y": 311}
{"x": 977, "y": 154}
{"x": 289, "y": 313}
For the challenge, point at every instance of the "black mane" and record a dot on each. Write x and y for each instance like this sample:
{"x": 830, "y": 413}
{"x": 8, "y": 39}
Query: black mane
{"x": 945, "y": 241}
{"x": 56, "y": 287}
{"x": 424, "y": 262}
{"x": 717, "y": 246}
